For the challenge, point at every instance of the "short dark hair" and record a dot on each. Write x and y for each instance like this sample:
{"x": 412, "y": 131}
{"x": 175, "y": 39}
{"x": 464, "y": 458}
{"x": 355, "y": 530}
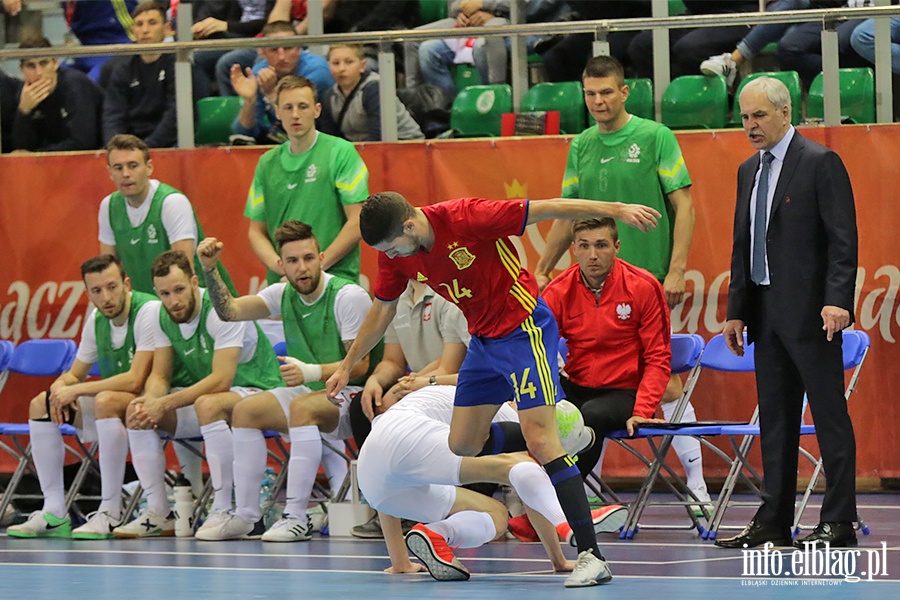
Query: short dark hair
{"x": 98, "y": 264}
{"x": 587, "y": 224}
{"x": 293, "y": 82}
{"x": 294, "y": 231}
{"x": 163, "y": 263}
{"x": 35, "y": 41}
{"x": 147, "y": 7}
{"x": 126, "y": 141}
{"x": 604, "y": 66}
{"x": 278, "y": 27}
{"x": 382, "y": 217}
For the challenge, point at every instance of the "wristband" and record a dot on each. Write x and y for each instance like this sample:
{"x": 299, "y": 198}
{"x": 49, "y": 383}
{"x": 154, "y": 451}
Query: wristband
{"x": 310, "y": 372}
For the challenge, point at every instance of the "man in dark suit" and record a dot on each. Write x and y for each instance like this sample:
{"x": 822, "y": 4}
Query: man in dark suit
{"x": 793, "y": 272}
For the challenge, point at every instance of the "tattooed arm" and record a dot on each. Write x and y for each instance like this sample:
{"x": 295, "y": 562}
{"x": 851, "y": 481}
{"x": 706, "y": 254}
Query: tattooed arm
{"x": 229, "y": 308}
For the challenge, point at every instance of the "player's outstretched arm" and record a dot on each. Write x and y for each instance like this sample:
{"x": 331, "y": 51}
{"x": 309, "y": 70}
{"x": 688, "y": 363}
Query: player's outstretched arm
{"x": 229, "y": 308}
{"x": 637, "y": 215}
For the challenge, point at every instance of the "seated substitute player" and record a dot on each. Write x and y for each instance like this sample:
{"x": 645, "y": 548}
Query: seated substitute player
{"x": 199, "y": 362}
{"x": 615, "y": 319}
{"x": 321, "y": 314}
{"x": 406, "y": 469}
{"x": 461, "y": 248}
{"x": 118, "y": 336}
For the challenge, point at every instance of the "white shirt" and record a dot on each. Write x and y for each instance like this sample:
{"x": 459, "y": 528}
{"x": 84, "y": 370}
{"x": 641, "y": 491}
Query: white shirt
{"x": 144, "y": 340}
{"x": 240, "y": 334}
{"x": 351, "y": 304}
{"x": 779, "y": 152}
{"x": 177, "y": 217}
{"x": 435, "y": 402}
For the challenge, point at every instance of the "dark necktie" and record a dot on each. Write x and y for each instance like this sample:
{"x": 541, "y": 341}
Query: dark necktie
{"x": 758, "y": 258}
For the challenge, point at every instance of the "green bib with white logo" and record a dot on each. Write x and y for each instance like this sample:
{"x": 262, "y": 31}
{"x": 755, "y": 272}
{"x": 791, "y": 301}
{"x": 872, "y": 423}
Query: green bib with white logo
{"x": 311, "y": 331}
{"x": 113, "y": 361}
{"x": 192, "y": 358}
{"x": 139, "y": 246}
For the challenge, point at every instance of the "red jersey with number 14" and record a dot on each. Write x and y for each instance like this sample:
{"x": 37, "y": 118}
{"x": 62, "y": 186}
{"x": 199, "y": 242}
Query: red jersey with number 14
{"x": 472, "y": 264}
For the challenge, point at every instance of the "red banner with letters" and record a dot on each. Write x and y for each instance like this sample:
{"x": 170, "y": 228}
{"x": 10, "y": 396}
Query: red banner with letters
{"x": 48, "y": 226}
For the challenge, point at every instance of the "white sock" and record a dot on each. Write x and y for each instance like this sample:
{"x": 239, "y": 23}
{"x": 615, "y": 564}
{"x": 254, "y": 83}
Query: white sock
{"x": 533, "y": 485}
{"x": 306, "y": 454}
{"x": 191, "y": 464}
{"x": 598, "y": 468}
{"x": 249, "y": 467}
{"x": 112, "y": 438}
{"x": 335, "y": 466}
{"x": 687, "y": 448}
{"x": 220, "y": 457}
{"x": 150, "y": 464}
{"x": 48, "y": 452}
{"x": 466, "y": 529}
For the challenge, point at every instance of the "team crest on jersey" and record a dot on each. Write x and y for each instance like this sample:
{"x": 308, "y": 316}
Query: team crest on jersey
{"x": 151, "y": 234}
{"x": 426, "y": 311}
{"x": 623, "y": 311}
{"x": 311, "y": 171}
{"x": 462, "y": 258}
{"x": 634, "y": 153}
{"x": 203, "y": 345}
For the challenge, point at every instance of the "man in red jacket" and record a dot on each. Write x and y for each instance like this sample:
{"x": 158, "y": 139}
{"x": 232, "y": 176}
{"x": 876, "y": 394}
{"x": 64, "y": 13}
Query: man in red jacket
{"x": 616, "y": 320}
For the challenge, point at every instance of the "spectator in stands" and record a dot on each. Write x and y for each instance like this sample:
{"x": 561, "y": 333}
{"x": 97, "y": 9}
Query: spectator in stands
{"x": 140, "y": 99}
{"x": 564, "y": 56}
{"x": 615, "y": 319}
{"x": 224, "y": 19}
{"x": 11, "y": 7}
{"x": 315, "y": 178}
{"x": 10, "y": 88}
{"x": 58, "y": 109}
{"x": 118, "y": 336}
{"x": 728, "y": 63}
{"x": 689, "y": 47}
{"x": 351, "y": 108}
{"x": 863, "y": 41}
{"x": 430, "y": 61}
{"x": 257, "y": 118}
{"x": 800, "y": 49}
{"x": 96, "y": 23}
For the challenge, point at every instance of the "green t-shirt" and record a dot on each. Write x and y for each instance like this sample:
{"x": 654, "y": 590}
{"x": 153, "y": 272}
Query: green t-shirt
{"x": 312, "y": 187}
{"x": 638, "y": 164}
{"x": 114, "y": 361}
{"x": 139, "y": 246}
{"x": 192, "y": 358}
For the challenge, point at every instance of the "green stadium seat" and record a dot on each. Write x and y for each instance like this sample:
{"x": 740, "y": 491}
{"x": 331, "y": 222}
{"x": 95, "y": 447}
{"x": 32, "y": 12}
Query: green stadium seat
{"x": 566, "y": 97}
{"x": 857, "y": 96}
{"x": 215, "y": 117}
{"x": 432, "y": 10}
{"x": 478, "y": 110}
{"x": 695, "y": 102}
{"x": 464, "y": 76}
{"x": 676, "y": 7}
{"x": 640, "y": 98}
{"x": 789, "y": 78}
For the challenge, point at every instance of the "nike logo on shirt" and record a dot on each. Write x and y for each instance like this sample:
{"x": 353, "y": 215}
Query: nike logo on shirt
{"x": 603, "y": 161}
{"x": 292, "y": 186}
{"x": 133, "y": 242}
{"x": 188, "y": 351}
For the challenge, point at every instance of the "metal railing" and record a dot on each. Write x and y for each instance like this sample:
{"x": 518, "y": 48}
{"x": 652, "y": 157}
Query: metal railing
{"x": 518, "y": 33}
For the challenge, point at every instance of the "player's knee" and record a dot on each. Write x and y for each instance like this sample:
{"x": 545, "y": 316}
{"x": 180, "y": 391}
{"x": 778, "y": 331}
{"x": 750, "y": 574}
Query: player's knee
{"x": 38, "y": 407}
{"x": 207, "y": 409}
{"x": 461, "y": 446}
{"x": 499, "y": 516}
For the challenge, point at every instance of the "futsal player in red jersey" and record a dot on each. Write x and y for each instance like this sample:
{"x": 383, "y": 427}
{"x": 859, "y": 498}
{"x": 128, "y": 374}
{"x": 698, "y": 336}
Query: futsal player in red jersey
{"x": 461, "y": 249}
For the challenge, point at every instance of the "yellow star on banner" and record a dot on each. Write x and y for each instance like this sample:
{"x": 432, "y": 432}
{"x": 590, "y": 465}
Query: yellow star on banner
{"x": 516, "y": 190}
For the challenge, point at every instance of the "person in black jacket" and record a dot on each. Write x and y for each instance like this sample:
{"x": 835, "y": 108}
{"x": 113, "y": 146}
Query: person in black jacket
{"x": 56, "y": 109}
{"x": 140, "y": 99}
{"x": 10, "y": 88}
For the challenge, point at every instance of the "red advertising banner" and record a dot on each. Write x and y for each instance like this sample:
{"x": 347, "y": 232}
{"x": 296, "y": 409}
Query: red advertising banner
{"x": 48, "y": 226}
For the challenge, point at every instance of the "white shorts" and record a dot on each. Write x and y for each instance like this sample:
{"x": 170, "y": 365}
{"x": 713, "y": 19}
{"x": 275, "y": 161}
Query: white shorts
{"x": 188, "y": 426}
{"x": 87, "y": 431}
{"x": 406, "y": 468}
{"x": 342, "y": 432}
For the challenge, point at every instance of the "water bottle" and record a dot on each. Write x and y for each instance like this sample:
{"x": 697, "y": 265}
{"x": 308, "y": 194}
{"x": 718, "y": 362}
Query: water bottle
{"x": 266, "y": 497}
{"x": 184, "y": 507}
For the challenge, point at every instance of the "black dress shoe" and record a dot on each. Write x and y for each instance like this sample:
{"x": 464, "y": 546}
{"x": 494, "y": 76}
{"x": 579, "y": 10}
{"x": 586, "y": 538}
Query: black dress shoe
{"x": 757, "y": 534}
{"x": 838, "y": 534}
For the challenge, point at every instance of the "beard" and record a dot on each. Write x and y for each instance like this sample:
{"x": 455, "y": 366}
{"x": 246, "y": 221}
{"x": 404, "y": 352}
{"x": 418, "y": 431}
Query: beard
{"x": 191, "y": 306}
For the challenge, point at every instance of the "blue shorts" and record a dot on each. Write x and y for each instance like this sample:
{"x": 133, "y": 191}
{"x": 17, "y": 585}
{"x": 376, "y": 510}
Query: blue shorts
{"x": 519, "y": 366}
